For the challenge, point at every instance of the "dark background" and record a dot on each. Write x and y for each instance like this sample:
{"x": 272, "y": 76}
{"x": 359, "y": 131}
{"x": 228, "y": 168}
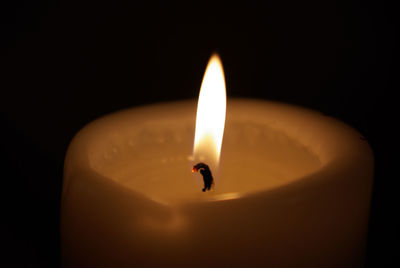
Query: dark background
{"x": 65, "y": 63}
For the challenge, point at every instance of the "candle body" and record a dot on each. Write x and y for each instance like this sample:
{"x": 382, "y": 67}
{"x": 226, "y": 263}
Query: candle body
{"x": 293, "y": 190}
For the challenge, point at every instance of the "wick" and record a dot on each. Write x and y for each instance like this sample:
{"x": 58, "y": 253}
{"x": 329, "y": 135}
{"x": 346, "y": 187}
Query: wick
{"x": 206, "y": 172}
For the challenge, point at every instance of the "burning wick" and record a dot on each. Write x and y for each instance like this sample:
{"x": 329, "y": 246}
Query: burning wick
{"x": 206, "y": 172}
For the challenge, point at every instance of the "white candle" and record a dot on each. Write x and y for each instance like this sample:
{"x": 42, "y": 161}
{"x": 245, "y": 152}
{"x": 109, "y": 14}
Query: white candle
{"x": 293, "y": 190}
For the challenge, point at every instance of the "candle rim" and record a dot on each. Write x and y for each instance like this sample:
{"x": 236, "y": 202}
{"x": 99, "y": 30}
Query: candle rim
{"x": 362, "y": 147}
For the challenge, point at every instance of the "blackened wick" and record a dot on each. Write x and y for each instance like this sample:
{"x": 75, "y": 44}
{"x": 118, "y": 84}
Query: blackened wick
{"x": 207, "y": 176}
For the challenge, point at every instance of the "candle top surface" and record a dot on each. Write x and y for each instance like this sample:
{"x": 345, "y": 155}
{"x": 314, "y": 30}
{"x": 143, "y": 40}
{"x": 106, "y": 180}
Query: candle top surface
{"x": 266, "y": 145}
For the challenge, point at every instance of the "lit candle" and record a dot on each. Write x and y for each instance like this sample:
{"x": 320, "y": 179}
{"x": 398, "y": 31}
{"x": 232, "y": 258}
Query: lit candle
{"x": 292, "y": 187}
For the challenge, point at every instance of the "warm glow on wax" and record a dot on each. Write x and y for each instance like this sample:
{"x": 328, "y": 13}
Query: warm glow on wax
{"x": 211, "y": 110}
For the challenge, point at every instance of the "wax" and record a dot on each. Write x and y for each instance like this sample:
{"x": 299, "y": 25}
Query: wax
{"x": 293, "y": 189}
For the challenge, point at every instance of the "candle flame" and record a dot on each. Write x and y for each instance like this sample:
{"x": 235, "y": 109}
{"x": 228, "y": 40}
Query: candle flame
{"x": 211, "y": 111}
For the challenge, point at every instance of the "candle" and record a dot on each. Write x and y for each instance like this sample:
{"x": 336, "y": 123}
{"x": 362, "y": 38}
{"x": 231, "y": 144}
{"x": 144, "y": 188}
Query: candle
{"x": 292, "y": 188}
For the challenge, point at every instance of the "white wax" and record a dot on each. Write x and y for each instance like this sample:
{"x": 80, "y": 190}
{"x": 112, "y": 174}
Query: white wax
{"x": 293, "y": 188}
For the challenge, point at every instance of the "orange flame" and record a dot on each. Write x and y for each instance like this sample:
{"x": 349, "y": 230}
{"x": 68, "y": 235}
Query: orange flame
{"x": 211, "y": 112}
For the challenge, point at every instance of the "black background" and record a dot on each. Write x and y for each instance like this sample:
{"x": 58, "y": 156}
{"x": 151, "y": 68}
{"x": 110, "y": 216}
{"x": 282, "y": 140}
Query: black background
{"x": 65, "y": 63}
